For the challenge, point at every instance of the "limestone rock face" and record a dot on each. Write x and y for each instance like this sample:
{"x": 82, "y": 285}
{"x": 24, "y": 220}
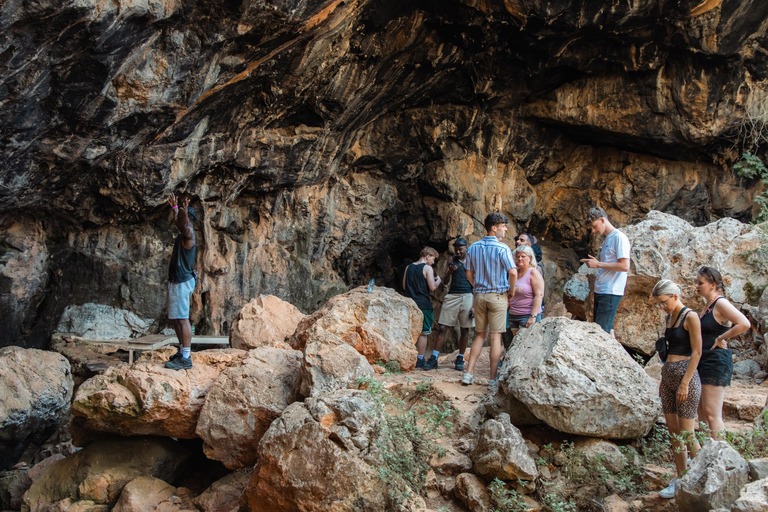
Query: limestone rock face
{"x": 148, "y": 399}
{"x": 714, "y": 479}
{"x": 265, "y": 321}
{"x": 668, "y": 247}
{"x": 317, "y": 164}
{"x": 578, "y": 379}
{"x": 102, "y": 322}
{"x": 99, "y": 472}
{"x": 501, "y": 452}
{"x": 313, "y": 458}
{"x": 472, "y": 492}
{"x": 342, "y": 339}
{"x": 35, "y": 392}
{"x": 244, "y": 401}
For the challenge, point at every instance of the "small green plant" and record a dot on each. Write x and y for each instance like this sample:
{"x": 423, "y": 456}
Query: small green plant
{"x": 751, "y": 166}
{"x": 639, "y": 359}
{"x": 656, "y": 447}
{"x": 753, "y": 293}
{"x": 423, "y": 386}
{"x": 750, "y": 443}
{"x": 438, "y": 416}
{"x": 504, "y": 499}
{"x": 390, "y": 367}
{"x": 556, "y": 503}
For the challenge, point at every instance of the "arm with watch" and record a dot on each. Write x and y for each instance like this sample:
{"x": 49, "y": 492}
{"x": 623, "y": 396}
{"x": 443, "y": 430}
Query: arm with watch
{"x": 537, "y": 285}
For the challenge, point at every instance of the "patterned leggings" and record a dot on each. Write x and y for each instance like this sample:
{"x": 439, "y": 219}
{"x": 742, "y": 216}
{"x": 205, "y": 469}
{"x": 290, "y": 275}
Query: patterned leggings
{"x": 671, "y": 375}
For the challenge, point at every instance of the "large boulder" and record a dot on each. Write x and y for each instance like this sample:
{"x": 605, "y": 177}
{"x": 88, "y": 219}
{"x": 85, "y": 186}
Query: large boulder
{"x": 501, "y": 452}
{"x": 753, "y": 497}
{"x": 244, "y": 401}
{"x": 224, "y": 494}
{"x": 331, "y": 364}
{"x": 99, "y": 472}
{"x": 148, "y": 399}
{"x": 35, "y": 392}
{"x": 667, "y": 247}
{"x": 381, "y": 325}
{"x": 144, "y": 493}
{"x": 578, "y": 379}
{"x": 320, "y": 455}
{"x": 266, "y": 320}
{"x": 102, "y": 322}
{"x": 714, "y": 479}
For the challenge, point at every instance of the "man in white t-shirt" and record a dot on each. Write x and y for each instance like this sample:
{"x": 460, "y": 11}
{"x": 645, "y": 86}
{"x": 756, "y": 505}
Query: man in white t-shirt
{"x": 612, "y": 266}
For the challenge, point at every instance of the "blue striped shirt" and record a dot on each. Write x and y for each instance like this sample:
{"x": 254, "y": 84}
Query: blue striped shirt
{"x": 491, "y": 261}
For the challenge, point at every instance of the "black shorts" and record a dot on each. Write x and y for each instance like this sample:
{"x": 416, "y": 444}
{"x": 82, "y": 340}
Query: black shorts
{"x": 716, "y": 367}
{"x": 605, "y": 310}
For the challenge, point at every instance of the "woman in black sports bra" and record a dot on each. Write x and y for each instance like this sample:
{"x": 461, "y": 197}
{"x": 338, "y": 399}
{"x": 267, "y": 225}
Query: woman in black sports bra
{"x": 680, "y": 386}
{"x": 720, "y": 320}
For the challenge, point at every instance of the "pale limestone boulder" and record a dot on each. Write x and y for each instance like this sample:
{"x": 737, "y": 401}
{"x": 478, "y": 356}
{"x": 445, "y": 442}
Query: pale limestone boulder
{"x": 381, "y": 325}
{"x": 144, "y": 493}
{"x": 148, "y": 399}
{"x": 244, "y": 401}
{"x": 472, "y": 492}
{"x": 578, "y": 379}
{"x": 99, "y": 472}
{"x": 502, "y": 453}
{"x": 331, "y": 364}
{"x": 667, "y": 247}
{"x": 612, "y": 458}
{"x": 760, "y": 313}
{"x": 35, "y": 392}
{"x": 714, "y": 479}
{"x": 265, "y": 321}
{"x": 102, "y": 322}
{"x": 753, "y": 497}
{"x": 758, "y": 468}
{"x": 224, "y": 494}
{"x": 317, "y": 457}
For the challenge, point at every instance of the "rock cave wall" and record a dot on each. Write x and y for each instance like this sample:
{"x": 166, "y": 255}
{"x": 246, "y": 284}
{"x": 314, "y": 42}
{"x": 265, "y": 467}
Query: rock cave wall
{"x": 325, "y": 143}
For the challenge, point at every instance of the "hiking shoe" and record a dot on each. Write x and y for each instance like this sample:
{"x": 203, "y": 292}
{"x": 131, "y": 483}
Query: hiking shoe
{"x": 420, "y": 363}
{"x": 182, "y": 363}
{"x": 492, "y": 385}
{"x": 467, "y": 379}
{"x": 669, "y": 492}
{"x": 431, "y": 363}
{"x": 459, "y": 364}
{"x": 176, "y": 356}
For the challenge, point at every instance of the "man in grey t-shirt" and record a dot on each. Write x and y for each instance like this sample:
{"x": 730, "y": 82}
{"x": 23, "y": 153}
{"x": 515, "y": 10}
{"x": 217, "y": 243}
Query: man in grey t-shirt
{"x": 612, "y": 266}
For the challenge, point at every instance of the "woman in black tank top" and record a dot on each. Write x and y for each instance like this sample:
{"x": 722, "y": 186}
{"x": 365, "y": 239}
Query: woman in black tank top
{"x": 680, "y": 386}
{"x": 720, "y": 320}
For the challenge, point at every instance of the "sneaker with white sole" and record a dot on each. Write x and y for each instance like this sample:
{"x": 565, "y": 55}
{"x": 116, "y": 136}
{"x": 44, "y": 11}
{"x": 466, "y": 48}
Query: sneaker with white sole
{"x": 467, "y": 379}
{"x": 459, "y": 364}
{"x": 669, "y": 492}
{"x": 492, "y": 385}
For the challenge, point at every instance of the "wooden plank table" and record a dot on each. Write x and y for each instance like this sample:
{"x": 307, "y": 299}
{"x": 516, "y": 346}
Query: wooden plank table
{"x": 156, "y": 341}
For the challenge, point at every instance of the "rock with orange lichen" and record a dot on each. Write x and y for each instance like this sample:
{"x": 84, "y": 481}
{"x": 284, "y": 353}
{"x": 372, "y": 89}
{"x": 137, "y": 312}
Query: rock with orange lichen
{"x": 265, "y": 321}
{"x": 321, "y": 455}
{"x": 381, "y": 325}
{"x": 250, "y": 397}
{"x": 148, "y": 399}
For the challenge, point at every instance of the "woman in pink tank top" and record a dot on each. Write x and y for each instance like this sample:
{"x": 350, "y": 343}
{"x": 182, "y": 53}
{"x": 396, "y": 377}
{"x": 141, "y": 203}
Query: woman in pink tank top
{"x": 525, "y": 306}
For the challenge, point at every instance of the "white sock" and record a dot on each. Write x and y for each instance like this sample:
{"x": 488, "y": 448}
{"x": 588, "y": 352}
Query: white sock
{"x": 185, "y": 352}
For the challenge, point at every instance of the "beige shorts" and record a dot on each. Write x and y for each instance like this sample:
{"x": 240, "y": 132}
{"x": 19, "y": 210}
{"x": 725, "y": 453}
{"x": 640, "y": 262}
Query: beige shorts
{"x": 491, "y": 312}
{"x": 455, "y": 309}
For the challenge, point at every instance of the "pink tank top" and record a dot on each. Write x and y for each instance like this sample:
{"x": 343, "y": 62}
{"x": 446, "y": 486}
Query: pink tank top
{"x": 522, "y": 302}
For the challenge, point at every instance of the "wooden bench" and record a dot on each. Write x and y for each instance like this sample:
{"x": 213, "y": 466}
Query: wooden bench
{"x": 156, "y": 341}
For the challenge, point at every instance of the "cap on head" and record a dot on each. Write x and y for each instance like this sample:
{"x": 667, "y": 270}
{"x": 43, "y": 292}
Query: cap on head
{"x": 192, "y": 213}
{"x": 459, "y": 242}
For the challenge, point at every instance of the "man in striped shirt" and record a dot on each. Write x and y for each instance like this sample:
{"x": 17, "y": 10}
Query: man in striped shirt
{"x": 492, "y": 272}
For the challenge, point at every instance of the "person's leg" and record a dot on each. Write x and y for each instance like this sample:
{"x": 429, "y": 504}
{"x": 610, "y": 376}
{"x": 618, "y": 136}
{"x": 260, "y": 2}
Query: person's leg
{"x": 711, "y": 409}
{"x": 687, "y": 428}
{"x": 481, "y": 324}
{"x": 678, "y": 446}
{"x": 421, "y": 344}
{"x": 605, "y": 310}
{"x": 463, "y": 339}
{"x": 495, "y": 353}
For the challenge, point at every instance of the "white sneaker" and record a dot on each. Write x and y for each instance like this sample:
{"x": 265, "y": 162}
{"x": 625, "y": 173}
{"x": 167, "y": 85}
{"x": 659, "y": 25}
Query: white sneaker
{"x": 669, "y": 492}
{"x": 492, "y": 385}
{"x": 467, "y": 379}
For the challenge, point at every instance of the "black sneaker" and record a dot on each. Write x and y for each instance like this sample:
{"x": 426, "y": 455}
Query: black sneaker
{"x": 420, "y": 363}
{"x": 459, "y": 364}
{"x": 176, "y": 356}
{"x": 182, "y": 363}
{"x": 431, "y": 364}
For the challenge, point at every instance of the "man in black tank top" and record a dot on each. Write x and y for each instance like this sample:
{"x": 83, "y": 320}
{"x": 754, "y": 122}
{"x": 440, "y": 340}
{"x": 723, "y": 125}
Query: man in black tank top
{"x": 181, "y": 281}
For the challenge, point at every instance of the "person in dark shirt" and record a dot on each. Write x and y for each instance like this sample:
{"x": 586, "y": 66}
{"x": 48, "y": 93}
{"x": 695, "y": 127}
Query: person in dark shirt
{"x": 181, "y": 281}
{"x": 419, "y": 279}
{"x": 457, "y": 306}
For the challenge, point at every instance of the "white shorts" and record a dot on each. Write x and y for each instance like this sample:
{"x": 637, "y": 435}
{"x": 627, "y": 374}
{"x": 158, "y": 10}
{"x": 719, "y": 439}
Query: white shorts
{"x": 455, "y": 310}
{"x": 178, "y": 299}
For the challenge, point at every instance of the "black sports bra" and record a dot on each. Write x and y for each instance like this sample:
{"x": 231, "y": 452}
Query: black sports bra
{"x": 678, "y": 339}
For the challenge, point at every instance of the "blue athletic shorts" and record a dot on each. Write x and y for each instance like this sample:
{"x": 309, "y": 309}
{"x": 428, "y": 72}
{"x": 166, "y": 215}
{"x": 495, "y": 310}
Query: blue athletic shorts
{"x": 178, "y": 299}
{"x": 605, "y": 310}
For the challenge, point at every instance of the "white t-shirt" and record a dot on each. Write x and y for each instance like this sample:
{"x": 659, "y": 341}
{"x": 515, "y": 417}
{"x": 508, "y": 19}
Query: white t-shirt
{"x": 615, "y": 247}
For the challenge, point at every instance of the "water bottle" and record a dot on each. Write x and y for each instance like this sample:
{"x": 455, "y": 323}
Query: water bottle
{"x": 370, "y": 286}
